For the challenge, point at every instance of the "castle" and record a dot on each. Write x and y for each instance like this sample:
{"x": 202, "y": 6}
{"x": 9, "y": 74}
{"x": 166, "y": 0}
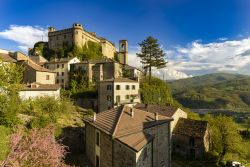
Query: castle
{"x": 78, "y": 36}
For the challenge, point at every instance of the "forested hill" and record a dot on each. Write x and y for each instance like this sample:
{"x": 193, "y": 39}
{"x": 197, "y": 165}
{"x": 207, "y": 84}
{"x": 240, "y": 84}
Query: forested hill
{"x": 213, "y": 91}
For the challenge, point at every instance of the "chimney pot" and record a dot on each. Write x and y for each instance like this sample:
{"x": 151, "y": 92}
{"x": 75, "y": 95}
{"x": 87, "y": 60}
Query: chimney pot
{"x": 132, "y": 112}
{"x": 94, "y": 117}
{"x": 156, "y": 116}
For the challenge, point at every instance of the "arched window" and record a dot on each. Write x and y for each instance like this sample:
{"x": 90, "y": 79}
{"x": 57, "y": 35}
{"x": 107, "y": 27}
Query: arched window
{"x": 122, "y": 47}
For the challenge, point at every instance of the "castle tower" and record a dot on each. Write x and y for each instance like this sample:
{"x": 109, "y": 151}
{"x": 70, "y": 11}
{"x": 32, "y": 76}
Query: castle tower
{"x": 123, "y": 51}
{"x": 51, "y": 29}
{"x": 77, "y": 34}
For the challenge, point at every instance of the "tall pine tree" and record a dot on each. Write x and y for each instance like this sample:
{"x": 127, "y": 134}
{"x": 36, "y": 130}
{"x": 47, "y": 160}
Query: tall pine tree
{"x": 151, "y": 55}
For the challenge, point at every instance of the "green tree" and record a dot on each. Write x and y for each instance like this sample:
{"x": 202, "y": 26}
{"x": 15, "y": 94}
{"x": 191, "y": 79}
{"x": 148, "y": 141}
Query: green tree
{"x": 225, "y": 139}
{"x": 151, "y": 55}
{"x": 157, "y": 92}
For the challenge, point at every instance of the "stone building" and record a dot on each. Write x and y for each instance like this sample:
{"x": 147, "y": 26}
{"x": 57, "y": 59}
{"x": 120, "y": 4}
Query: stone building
{"x": 6, "y": 58}
{"x": 97, "y": 70}
{"x": 62, "y": 68}
{"x": 128, "y": 137}
{"x": 35, "y": 73}
{"x": 168, "y": 111}
{"x": 117, "y": 91}
{"x": 191, "y": 138}
{"x": 34, "y": 90}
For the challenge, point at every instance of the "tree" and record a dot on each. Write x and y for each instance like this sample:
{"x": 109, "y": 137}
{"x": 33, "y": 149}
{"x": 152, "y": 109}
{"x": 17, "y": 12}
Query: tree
{"x": 157, "y": 92}
{"x": 36, "y": 148}
{"x": 151, "y": 55}
{"x": 225, "y": 139}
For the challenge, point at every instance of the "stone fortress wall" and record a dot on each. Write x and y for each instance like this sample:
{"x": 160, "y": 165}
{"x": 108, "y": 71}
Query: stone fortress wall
{"x": 77, "y": 36}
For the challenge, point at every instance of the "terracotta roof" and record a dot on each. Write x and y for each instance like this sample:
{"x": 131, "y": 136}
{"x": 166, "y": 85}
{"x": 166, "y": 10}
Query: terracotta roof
{"x": 120, "y": 79}
{"x": 167, "y": 111}
{"x": 7, "y": 58}
{"x": 40, "y": 87}
{"x": 189, "y": 127}
{"x": 37, "y": 67}
{"x": 126, "y": 128}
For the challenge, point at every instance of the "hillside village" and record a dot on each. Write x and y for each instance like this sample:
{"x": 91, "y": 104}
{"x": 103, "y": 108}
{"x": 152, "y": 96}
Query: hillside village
{"x": 121, "y": 129}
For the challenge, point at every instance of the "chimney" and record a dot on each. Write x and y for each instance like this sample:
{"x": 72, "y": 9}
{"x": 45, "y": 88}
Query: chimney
{"x": 156, "y": 116}
{"x": 132, "y": 112}
{"x": 94, "y": 117}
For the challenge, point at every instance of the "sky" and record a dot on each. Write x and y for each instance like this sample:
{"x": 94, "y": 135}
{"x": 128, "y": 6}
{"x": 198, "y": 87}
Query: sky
{"x": 198, "y": 36}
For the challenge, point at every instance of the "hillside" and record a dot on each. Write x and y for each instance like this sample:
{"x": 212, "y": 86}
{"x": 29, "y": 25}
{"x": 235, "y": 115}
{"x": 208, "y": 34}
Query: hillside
{"x": 214, "y": 91}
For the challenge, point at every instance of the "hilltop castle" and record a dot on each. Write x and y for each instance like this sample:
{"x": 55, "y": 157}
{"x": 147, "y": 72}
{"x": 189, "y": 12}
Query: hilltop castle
{"x": 77, "y": 36}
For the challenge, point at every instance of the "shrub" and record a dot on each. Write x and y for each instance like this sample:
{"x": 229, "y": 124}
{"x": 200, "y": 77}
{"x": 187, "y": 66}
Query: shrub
{"x": 36, "y": 148}
{"x": 4, "y": 142}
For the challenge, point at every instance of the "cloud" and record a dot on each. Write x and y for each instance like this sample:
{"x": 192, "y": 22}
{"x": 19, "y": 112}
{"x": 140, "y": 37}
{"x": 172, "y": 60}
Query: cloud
{"x": 196, "y": 58}
{"x": 24, "y": 36}
{"x": 167, "y": 73}
{"x": 227, "y": 56}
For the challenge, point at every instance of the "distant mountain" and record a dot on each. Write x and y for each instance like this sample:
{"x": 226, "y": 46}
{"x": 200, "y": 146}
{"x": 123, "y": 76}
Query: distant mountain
{"x": 213, "y": 91}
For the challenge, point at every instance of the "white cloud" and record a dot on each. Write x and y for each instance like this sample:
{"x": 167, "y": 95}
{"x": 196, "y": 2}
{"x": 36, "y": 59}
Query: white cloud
{"x": 167, "y": 73}
{"x": 198, "y": 59}
{"x": 227, "y": 56}
{"x": 24, "y": 36}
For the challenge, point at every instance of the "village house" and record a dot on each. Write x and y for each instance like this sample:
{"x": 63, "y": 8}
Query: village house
{"x": 5, "y": 58}
{"x": 168, "y": 111}
{"x": 35, "y": 90}
{"x": 96, "y": 70}
{"x": 128, "y": 137}
{"x": 117, "y": 91}
{"x": 191, "y": 138}
{"x": 62, "y": 68}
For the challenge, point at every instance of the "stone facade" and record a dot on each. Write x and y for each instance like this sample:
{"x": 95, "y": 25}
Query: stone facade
{"x": 62, "y": 68}
{"x": 177, "y": 115}
{"x": 191, "y": 141}
{"x": 77, "y": 36}
{"x": 148, "y": 146}
{"x": 161, "y": 145}
{"x": 35, "y": 75}
{"x": 115, "y": 92}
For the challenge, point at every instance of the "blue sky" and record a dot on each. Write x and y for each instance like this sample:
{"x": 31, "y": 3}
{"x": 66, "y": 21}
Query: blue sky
{"x": 182, "y": 27}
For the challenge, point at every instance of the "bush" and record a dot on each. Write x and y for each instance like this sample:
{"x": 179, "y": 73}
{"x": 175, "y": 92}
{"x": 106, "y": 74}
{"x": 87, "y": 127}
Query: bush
{"x": 4, "y": 142}
{"x": 39, "y": 122}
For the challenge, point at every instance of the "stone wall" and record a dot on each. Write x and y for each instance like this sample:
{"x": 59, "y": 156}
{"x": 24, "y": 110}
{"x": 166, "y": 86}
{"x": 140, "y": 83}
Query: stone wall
{"x": 90, "y": 143}
{"x": 123, "y": 156}
{"x": 161, "y": 145}
{"x": 144, "y": 157}
{"x": 182, "y": 146}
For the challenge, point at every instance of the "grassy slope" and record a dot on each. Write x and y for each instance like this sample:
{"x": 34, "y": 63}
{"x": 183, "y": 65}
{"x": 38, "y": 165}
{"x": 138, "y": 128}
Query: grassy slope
{"x": 217, "y": 91}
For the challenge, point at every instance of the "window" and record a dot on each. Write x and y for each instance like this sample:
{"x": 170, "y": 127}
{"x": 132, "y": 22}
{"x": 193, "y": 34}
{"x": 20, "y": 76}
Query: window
{"x": 109, "y": 87}
{"x": 191, "y": 141}
{"x": 47, "y": 77}
{"x": 118, "y": 99}
{"x": 64, "y": 36}
{"x": 97, "y": 161}
{"x": 118, "y": 87}
{"x": 133, "y": 87}
{"x": 62, "y": 65}
{"x": 62, "y": 80}
{"x": 109, "y": 98}
{"x": 127, "y": 87}
{"x": 62, "y": 73}
{"x": 127, "y": 97}
{"x": 58, "y": 66}
{"x": 57, "y": 81}
{"x": 57, "y": 73}
{"x": 97, "y": 138}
